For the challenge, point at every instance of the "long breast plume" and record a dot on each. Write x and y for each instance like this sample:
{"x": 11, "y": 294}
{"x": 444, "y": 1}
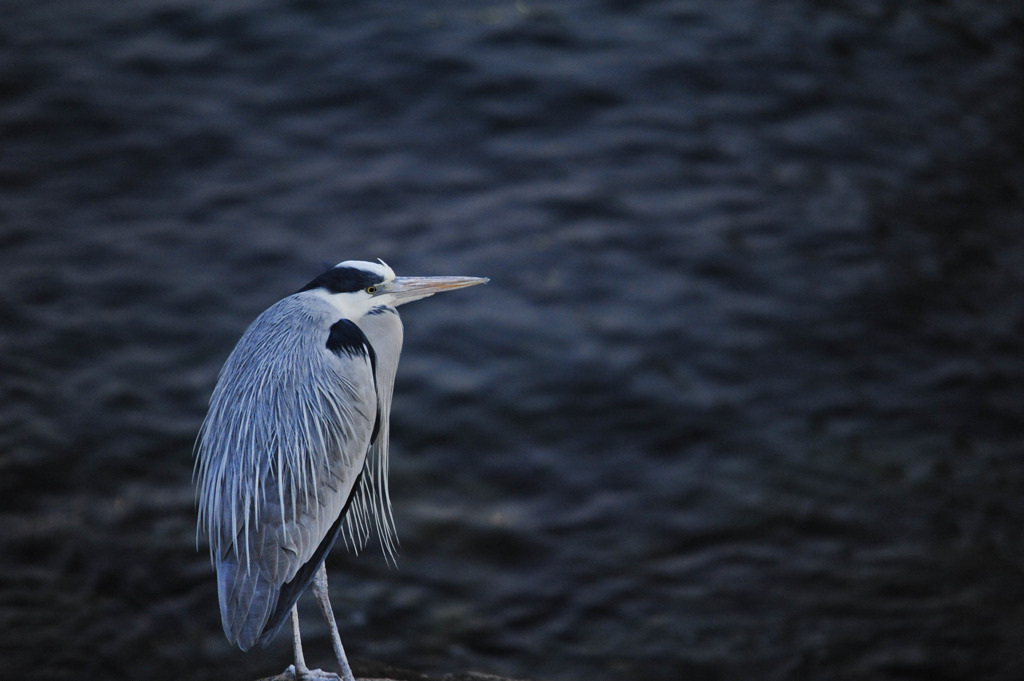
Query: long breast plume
{"x": 244, "y": 457}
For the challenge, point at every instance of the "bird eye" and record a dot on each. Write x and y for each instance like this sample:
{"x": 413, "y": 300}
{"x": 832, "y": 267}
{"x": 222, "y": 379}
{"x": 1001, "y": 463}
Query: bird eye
{"x": 371, "y": 289}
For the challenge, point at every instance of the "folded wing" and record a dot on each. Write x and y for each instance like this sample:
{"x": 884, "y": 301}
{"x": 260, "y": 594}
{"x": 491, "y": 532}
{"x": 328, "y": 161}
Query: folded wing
{"x": 280, "y": 457}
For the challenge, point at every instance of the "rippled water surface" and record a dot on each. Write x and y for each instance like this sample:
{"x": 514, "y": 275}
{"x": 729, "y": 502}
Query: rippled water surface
{"x": 743, "y": 399}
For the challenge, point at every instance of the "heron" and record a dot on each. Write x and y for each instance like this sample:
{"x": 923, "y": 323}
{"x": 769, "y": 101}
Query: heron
{"x": 293, "y": 453}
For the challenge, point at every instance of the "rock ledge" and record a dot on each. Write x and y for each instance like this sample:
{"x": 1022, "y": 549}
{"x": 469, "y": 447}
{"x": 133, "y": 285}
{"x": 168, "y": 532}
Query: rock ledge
{"x": 378, "y": 671}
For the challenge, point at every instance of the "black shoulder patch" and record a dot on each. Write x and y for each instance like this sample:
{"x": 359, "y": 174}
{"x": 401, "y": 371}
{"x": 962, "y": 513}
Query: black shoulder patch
{"x": 347, "y": 338}
{"x": 343, "y": 280}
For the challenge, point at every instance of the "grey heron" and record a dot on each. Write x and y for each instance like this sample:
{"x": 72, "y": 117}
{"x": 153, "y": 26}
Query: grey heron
{"x": 293, "y": 452}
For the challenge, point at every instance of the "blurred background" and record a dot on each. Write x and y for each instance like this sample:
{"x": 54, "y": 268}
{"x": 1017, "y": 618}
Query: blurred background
{"x": 744, "y": 398}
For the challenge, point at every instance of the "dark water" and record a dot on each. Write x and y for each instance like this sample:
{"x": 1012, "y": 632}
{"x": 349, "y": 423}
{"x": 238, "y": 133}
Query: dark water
{"x": 743, "y": 400}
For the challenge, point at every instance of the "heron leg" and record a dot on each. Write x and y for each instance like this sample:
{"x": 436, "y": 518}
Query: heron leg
{"x": 300, "y": 662}
{"x": 320, "y": 591}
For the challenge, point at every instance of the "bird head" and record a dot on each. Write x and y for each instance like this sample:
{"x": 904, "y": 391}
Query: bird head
{"x": 355, "y": 287}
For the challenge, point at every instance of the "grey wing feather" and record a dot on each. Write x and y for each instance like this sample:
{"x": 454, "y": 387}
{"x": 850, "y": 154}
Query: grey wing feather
{"x": 279, "y": 453}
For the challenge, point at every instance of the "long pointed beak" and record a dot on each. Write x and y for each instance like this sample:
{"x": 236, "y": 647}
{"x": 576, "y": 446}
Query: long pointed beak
{"x": 407, "y": 289}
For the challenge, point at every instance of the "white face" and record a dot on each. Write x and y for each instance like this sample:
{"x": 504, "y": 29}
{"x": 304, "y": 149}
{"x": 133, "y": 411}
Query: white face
{"x": 361, "y": 294}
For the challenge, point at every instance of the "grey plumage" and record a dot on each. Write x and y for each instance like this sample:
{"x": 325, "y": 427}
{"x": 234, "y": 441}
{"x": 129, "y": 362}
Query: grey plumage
{"x": 293, "y": 453}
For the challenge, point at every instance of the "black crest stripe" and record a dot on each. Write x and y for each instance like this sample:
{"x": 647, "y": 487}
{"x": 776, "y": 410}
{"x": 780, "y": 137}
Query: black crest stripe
{"x": 344, "y": 280}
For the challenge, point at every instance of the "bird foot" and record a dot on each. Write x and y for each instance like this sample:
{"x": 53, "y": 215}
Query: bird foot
{"x": 293, "y": 674}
